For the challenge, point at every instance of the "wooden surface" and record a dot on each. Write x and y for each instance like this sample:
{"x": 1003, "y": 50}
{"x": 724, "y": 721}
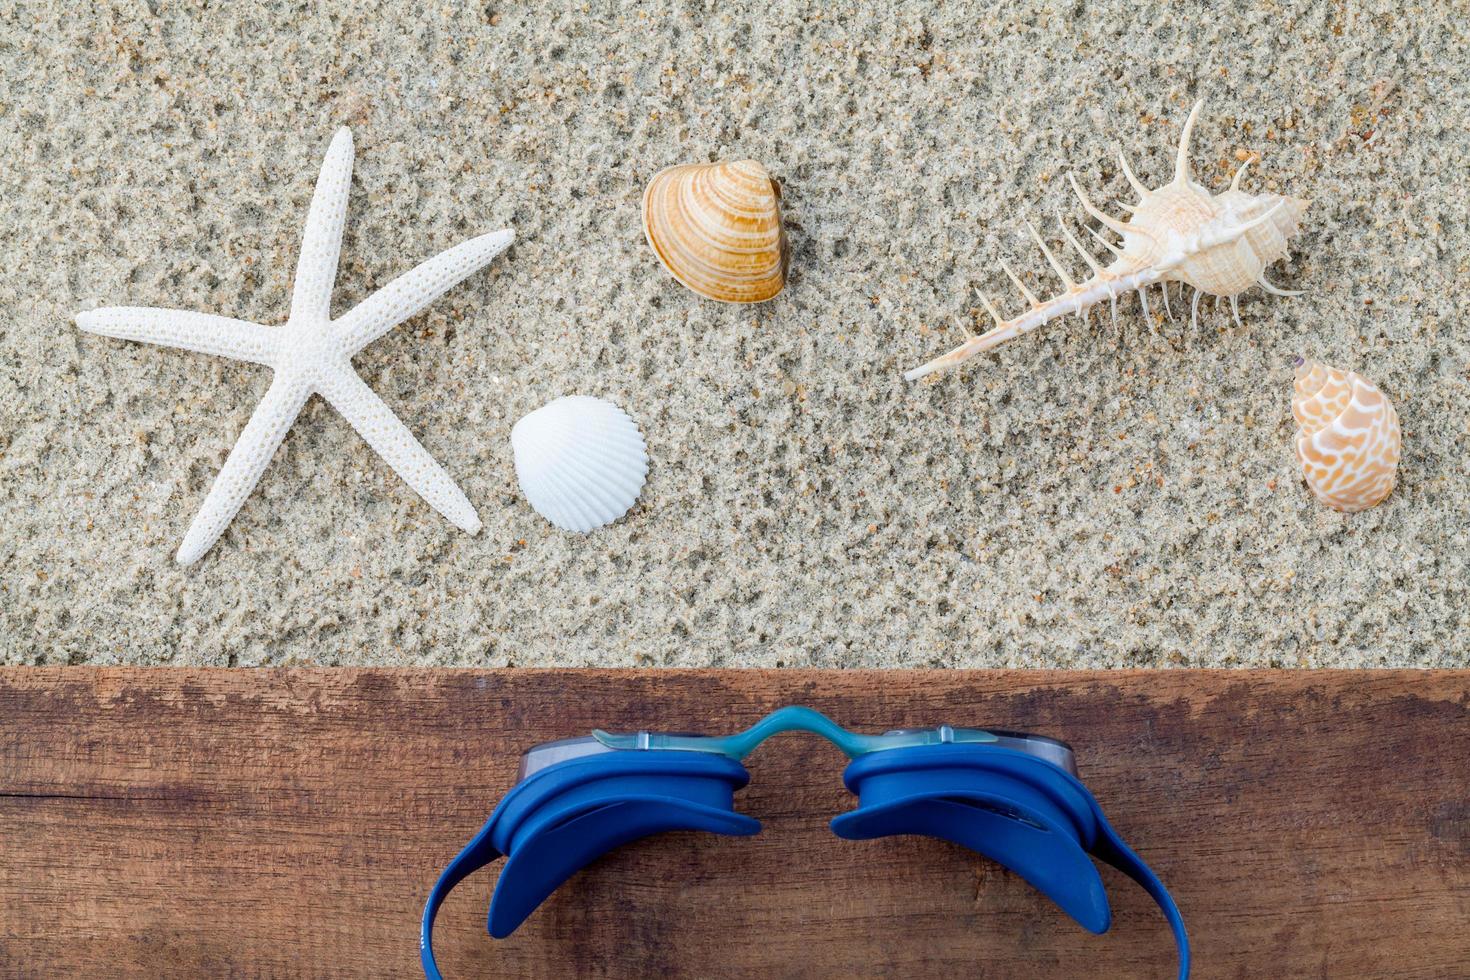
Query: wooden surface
{"x": 198, "y": 823}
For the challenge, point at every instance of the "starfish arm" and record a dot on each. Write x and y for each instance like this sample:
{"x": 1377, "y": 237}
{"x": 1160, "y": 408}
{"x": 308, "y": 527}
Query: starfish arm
{"x": 247, "y": 461}
{"x": 202, "y": 332}
{"x": 321, "y": 243}
{"x": 416, "y": 289}
{"x": 391, "y": 440}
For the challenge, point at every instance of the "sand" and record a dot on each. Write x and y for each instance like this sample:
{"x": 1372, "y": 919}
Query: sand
{"x": 1084, "y": 497}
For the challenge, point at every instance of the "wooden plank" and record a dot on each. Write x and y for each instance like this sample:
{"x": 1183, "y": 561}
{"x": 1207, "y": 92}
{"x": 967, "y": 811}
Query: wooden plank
{"x": 189, "y": 823}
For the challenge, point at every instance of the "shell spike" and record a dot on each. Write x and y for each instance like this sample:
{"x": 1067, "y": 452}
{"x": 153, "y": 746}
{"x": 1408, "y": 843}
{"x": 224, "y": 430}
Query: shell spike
{"x": 1181, "y": 163}
{"x": 1170, "y": 313}
{"x": 990, "y": 308}
{"x": 1030, "y": 296}
{"x": 1235, "y": 232}
{"x": 1235, "y": 181}
{"x": 1276, "y": 290}
{"x": 1107, "y": 220}
{"x": 1105, "y": 243}
{"x": 1235, "y": 311}
{"x": 1072, "y": 240}
{"x": 1261, "y": 220}
{"x": 1194, "y": 311}
{"x": 1060, "y": 269}
{"x": 1133, "y": 180}
{"x": 1147, "y": 316}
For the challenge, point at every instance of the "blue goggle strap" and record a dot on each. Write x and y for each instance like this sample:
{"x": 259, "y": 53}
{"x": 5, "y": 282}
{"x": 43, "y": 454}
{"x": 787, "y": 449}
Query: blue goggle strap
{"x": 1111, "y": 849}
{"x": 476, "y": 854}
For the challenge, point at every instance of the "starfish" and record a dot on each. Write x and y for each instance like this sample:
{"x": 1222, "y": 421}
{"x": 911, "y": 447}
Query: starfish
{"x": 312, "y": 354}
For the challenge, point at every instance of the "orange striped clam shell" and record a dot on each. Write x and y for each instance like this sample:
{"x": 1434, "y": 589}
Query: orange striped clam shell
{"x": 1348, "y": 441}
{"x": 717, "y": 228}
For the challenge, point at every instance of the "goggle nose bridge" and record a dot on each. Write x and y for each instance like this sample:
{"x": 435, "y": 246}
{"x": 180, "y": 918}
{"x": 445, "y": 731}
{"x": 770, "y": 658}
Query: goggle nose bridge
{"x": 790, "y": 719}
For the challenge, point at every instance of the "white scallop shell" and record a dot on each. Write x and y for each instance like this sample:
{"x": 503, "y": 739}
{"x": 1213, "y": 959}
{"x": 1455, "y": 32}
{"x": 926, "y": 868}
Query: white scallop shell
{"x": 580, "y": 461}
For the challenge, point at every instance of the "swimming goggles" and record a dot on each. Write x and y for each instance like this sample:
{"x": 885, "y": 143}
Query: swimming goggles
{"x": 1012, "y": 797}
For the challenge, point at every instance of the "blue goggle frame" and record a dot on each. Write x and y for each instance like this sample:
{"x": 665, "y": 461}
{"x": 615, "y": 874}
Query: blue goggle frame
{"x": 1014, "y": 798}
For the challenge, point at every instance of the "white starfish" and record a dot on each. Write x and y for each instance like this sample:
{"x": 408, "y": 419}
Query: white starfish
{"x": 312, "y": 353}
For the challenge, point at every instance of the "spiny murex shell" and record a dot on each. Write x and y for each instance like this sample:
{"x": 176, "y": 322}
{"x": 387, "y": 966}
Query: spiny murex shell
{"x": 1220, "y": 244}
{"x": 1349, "y": 439}
{"x": 580, "y": 461}
{"x": 717, "y": 228}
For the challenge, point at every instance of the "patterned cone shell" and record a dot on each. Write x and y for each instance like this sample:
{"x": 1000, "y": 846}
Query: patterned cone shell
{"x": 1348, "y": 443}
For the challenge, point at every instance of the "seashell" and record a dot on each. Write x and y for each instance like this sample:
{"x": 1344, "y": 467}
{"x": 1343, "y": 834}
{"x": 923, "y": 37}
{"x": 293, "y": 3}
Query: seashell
{"x": 717, "y": 228}
{"x": 1348, "y": 443}
{"x": 1219, "y": 244}
{"x": 580, "y": 461}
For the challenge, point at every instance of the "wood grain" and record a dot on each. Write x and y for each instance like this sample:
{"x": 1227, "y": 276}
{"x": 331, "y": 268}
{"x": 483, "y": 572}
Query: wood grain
{"x": 191, "y": 823}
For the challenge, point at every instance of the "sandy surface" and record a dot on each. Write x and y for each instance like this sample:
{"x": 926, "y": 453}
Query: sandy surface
{"x": 1075, "y": 499}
